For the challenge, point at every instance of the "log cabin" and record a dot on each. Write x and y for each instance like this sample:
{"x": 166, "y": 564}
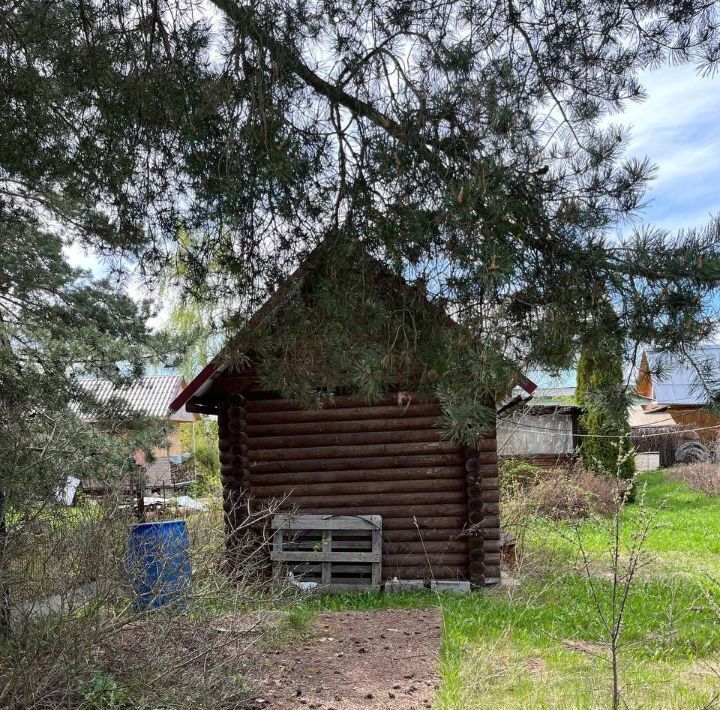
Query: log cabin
{"x": 439, "y": 500}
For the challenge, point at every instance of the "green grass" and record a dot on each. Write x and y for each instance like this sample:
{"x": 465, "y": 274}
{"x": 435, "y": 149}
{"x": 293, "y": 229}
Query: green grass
{"x": 684, "y": 538}
{"x": 299, "y": 618}
{"x": 542, "y": 645}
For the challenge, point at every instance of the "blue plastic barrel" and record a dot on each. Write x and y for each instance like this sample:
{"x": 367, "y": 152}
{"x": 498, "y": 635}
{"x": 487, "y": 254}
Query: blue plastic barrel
{"x": 159, "y": 563}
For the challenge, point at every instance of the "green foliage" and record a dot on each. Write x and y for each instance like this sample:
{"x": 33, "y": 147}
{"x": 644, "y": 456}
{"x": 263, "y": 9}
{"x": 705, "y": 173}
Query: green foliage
{"x": 207, "y": 458}
{"x": 102, "y": 692}
{"x": 540, "y": 644}
{"x": 56, "y": 324}
{"x": 686, "y": 537}
{"x": 197, "y": 321}
{"x": 515, "y": 474}
{"x": 466, "y": 146}
{"x": 606, "y": 447}
{"x": 397, "y": 337}
{"x": 299, "y": 618}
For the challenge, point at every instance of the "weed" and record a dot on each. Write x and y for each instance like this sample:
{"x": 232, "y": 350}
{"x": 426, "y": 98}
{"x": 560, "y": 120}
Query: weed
{"x": 703, "y": 476}
{"x": 299, "y": 618}
{"x": 102, "y": 691}
{"x": 541, "y": 644}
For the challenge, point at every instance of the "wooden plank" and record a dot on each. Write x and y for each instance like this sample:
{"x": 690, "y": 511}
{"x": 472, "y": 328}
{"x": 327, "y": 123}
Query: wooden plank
{"x": 426, "y": 546}
{"x": 335, "y": 567}
{"x": 310, "y": 556}
{"x": 355, "y": 451}
{"x": 343, "y": 414}
{"x": 428, "y": 522}
{"x": 277, "y": 404}
{"x": 434, "y": 473}
{"x": 358, "y": 438}
{"x": 455, "y": 510}
{"x": 358, "y": 462}
{"x": 327, "y": 548}
{"x": 391, "y": 535}
{"x": 377, "y": 548}
{"x": 435, "y": 559}
{"x": 342, "y": 502}
{"x": 421, "y": 485}
{"x": 326, "y": 522}
{"x": 340, "y": 427}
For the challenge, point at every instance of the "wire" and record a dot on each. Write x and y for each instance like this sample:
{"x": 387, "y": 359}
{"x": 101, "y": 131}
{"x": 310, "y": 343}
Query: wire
{"x": 555, "y": 432}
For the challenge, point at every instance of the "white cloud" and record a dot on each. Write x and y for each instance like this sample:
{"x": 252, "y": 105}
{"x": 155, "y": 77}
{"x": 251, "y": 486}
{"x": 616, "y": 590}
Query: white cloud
{"x": 676, "y": 127}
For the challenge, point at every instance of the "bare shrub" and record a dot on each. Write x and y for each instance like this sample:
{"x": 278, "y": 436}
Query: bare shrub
{"x": 80, "y": 639}
{"x": 702, "y": 476}
{"x": 568, "y": 494}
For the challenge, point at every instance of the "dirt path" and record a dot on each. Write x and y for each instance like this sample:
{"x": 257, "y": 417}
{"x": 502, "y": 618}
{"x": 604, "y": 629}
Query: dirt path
{"x": 351, "y": 660}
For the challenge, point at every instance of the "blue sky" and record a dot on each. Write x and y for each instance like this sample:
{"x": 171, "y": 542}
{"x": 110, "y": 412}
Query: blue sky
{"x": 678, "y": 128}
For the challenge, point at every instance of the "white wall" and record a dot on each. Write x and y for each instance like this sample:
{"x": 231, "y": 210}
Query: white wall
{"x": 521, "y": 434}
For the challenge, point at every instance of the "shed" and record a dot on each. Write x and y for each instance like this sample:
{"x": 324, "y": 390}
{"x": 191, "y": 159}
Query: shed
{"x": 439, "y": 501}
{"x": 542, "y": 429}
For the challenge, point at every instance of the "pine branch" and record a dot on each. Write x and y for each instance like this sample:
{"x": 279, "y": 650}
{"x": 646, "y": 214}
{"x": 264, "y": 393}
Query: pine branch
{"x": 246, "y": 21}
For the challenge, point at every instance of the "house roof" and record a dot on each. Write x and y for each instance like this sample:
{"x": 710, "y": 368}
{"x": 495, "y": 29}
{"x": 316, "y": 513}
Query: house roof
{"x": 649, "y": 418}
{"x": 151, "y": 396}
{"x": 205, "y": 378}
{"x": 676, "y": 378}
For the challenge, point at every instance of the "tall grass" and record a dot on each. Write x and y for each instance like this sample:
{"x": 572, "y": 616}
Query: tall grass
{"x": 79, "y": 639}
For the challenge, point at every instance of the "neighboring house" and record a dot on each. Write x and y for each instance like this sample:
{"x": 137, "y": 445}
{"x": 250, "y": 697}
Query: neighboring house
{"x": 151, "y": 396}
{"x": 542, "y": 430}
{"x": 438, "y": 500}
{"x": 677, "y": 392}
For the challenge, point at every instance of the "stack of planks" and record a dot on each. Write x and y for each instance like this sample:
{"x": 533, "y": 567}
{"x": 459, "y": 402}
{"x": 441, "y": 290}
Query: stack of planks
{"x": 386, "y": 459}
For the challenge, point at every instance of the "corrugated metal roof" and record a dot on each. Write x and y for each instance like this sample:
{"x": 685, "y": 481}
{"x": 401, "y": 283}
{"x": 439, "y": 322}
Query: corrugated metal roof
{"x": 552, "y": 395}
{"x": 149, "y": 395}
{"x": 677, "y": 379}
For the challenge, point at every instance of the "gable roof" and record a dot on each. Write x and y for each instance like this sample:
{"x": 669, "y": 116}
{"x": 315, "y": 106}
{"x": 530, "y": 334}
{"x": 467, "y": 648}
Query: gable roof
{"x": 676, "y": 377}
{"x": 151, "y": 396}
{"x": 281, "y": 297}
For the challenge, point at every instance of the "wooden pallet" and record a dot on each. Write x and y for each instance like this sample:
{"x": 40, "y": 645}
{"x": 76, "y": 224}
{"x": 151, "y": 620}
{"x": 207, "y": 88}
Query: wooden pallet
{"x": 338, "y": 552}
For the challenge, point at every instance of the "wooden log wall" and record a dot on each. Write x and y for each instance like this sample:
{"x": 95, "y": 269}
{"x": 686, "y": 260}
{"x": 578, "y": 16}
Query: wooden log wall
{"x": 243, "y": 535}
{"x": 382, "y": 459}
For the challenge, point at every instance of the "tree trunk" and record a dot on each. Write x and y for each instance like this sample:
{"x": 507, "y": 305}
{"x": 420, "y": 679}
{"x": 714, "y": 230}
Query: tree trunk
{"x": 5, "y": 629}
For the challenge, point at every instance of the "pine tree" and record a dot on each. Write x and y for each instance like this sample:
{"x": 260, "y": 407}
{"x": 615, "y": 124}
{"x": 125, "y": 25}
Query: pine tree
{"x": 601, "y": 391}
{"x": 465, "y": 145}
{"x": 58, "y": 323}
